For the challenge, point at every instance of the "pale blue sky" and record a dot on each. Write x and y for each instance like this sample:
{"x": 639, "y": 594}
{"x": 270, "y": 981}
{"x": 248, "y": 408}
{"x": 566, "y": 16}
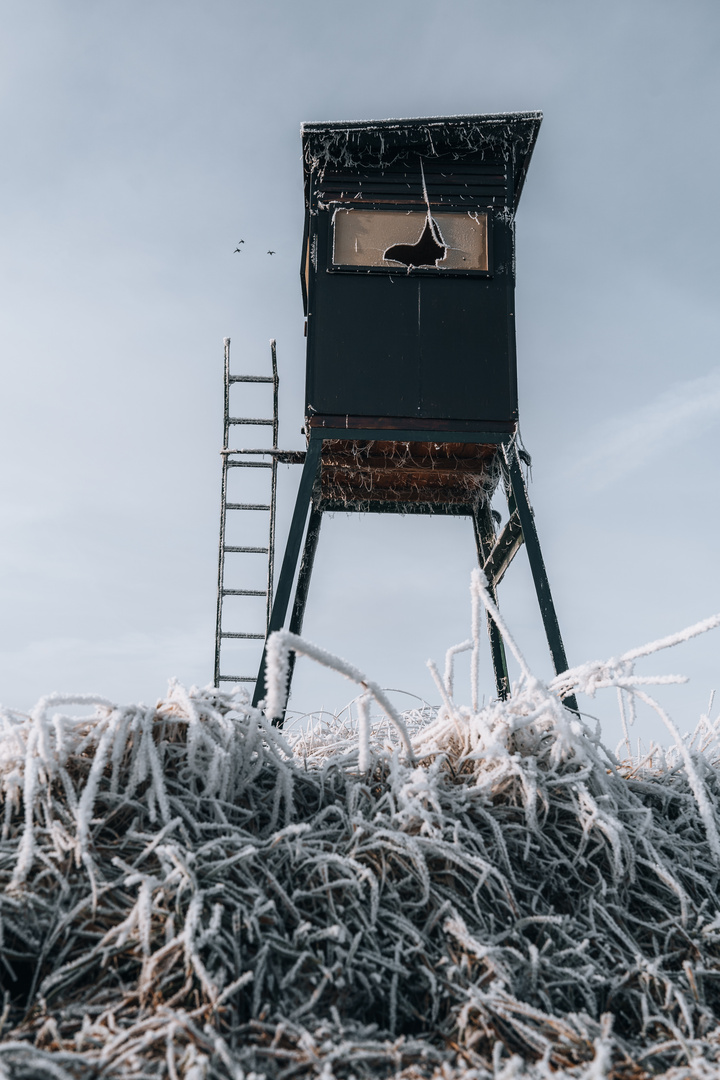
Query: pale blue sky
{"x": 141, "y": 139}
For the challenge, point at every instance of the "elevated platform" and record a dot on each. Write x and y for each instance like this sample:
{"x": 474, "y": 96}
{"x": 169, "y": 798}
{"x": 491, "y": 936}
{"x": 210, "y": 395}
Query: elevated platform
{"x": 354, "y": 472}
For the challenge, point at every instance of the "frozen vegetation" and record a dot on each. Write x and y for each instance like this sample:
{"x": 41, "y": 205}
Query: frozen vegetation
{"x": 458, "y": 893}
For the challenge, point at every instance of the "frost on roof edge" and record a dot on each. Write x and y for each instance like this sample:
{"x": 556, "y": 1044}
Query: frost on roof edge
{"x": 381, "y": 143}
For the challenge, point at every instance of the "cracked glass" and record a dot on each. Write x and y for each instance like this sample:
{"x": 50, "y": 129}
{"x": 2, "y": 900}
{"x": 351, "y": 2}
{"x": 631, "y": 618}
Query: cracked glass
{"x": 405, "y": 240}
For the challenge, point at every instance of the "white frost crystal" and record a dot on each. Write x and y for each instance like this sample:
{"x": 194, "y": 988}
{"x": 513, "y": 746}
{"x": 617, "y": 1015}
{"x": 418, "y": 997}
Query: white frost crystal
{"x": 462, "y": 892}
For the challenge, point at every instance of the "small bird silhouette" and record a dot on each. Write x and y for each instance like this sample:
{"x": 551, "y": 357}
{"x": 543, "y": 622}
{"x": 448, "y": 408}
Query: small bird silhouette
{"x": 238, "y": 248}
{"x": 271, "y": 252}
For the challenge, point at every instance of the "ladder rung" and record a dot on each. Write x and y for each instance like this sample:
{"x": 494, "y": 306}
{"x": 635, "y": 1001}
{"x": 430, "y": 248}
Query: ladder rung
{"x": 246, "y": 506}
{"x": 248, "y": 550}
{"x": 237, "y": 678}
{"x": 250, "y": 420}
{"x": 249, "y": 465}
{"x": 245, "y": 637}
{"x": 268, "y": 450}
{"x": 244, "y": 592}
{"x": 251, "y": 378}
{"x": 287, "y": 457}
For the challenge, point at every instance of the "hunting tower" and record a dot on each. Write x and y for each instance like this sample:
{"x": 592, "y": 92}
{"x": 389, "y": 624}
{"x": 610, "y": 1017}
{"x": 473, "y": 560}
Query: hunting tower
{"x": 408, "y": 279}
{"x": 408, "y": 273}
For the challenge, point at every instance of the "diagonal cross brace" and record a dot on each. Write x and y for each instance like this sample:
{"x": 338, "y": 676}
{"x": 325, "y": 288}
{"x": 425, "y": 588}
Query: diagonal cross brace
{"x": 504, "y": 550}
{"x": 537, "y": 566}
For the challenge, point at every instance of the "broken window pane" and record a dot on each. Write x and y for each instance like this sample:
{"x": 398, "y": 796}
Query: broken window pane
{"x": 399, "y": 239}
{"x": 428, "y": 251}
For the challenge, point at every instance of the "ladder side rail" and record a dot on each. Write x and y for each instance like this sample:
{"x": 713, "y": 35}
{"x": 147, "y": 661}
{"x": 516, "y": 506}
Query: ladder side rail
{"x": 223, "y": 510}
{"x": 273, "y": 486}
{"x": 221, "y": 634}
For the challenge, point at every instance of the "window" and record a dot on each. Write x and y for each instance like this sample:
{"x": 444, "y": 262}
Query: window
{"x": 406, "y": 240}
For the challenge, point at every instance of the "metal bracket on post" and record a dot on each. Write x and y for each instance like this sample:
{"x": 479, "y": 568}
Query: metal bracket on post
{"x": 292, "y": 553}
{"x": 537, "y": 566}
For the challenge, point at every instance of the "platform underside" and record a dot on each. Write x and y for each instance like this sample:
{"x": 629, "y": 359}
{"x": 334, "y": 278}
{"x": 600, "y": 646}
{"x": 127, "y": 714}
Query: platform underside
{"x": 386, "y": 474}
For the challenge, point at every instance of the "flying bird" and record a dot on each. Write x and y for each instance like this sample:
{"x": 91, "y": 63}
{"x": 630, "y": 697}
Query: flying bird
{"x": 238, "y": 248}
{"x": 271, "y": 252}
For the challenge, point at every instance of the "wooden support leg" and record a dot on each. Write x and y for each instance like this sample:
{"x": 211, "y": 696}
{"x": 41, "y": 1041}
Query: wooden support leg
{"x": 292, "y": 552}
{"x": 537, "y": 567}
{"x": 484, "y": 542}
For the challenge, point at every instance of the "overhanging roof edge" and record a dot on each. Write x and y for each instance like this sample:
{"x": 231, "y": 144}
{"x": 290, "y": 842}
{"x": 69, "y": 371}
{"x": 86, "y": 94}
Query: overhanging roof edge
{"x": 348, "y": 125}
{"x": 378, "y": 142}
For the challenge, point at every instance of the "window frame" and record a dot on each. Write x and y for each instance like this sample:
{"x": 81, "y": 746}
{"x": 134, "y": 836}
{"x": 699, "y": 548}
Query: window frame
{"x": 399, "y": 270}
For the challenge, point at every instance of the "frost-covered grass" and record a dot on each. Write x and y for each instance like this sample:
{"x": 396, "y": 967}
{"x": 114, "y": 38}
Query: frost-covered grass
{"x": 459, "y": 893}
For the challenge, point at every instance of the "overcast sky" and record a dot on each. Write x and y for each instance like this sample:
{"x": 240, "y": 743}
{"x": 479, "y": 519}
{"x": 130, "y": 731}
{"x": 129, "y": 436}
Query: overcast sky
{"x": 142, "y": 138}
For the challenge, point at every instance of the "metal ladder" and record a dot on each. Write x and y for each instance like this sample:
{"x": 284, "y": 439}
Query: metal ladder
{"x": 237, "y": 459}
